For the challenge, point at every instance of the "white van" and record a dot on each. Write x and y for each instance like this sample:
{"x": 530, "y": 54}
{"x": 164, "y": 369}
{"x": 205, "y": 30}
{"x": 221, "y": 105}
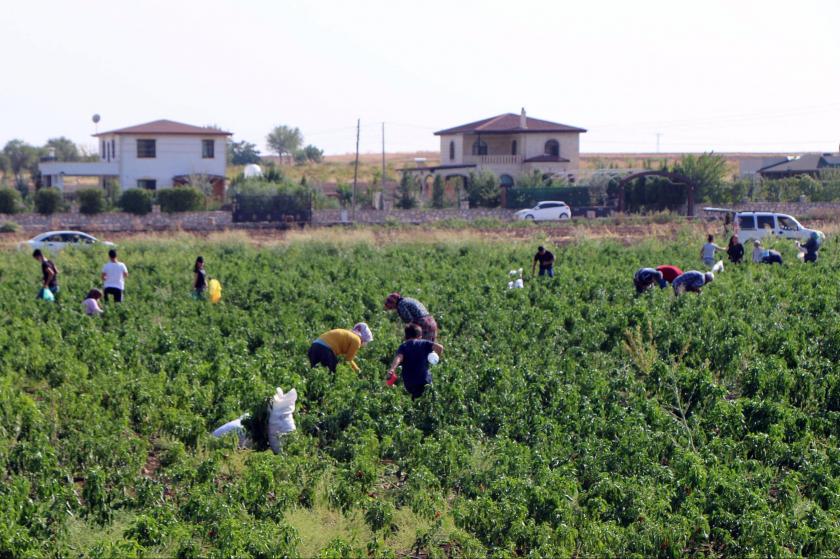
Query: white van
{"x": 758, "y": 225}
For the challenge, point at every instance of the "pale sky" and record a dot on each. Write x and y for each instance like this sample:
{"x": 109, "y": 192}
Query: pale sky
{"x": 728, "y": 75}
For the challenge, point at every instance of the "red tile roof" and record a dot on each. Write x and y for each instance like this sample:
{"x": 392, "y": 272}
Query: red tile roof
{"x": 508, "y": 123}
{"x": 167, "y": 127}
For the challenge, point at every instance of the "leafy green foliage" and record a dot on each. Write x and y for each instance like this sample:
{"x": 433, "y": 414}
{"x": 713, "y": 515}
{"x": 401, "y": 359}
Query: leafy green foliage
{"x": 438, "y": 192}
{"x": 10, "y": 201}
{"x": 136, "y": 201}
{"x": 483, "y": 190}
{"x": 91, "y": 201}
{"x": 284, "y": 139}
{"x": 180, "y": 199}
{"x": 706, "y": 170}
{"x": 48, "y": 201}
{"x": 571, "y": 417}
{"x": 407, "y": 192}
{"x": 242, "y": 153}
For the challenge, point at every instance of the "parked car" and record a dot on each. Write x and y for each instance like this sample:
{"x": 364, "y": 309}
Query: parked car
{"x": 545, "y": 211}
{"x": 57, "y": 240}
{"x": 751, "y": 225}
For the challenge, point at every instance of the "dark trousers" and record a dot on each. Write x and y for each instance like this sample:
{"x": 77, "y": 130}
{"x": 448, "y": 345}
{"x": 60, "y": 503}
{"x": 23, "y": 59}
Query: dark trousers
{"x": 319, "y": 354}
{"x": 548, "y": 270}
{"x": 114, "y": 292}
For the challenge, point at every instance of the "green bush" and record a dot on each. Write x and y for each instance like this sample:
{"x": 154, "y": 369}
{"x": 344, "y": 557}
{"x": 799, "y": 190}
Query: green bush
{"x": 9, "y": 227}
{"x": 48, "y": 201}
{"x": 136, "y": 201}
{"x": 181, "y": 199}
{"x": 10, "y": 201}
{"x": 91, "y": 201}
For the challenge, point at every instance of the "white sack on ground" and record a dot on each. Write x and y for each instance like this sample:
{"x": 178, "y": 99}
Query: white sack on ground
{"x": 280, "y": 420}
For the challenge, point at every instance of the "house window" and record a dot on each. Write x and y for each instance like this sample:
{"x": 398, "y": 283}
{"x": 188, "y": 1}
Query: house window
{"x": 552, "y": 148}
{"x": 207, "y": 149}
{"x": 146, "y": 149}
{"x": 102, "y": 150}
{"x": 452, "y": 151}
{"x": 479, "y": 147}
{"x": 513, "y": 147}
{"x": 148, "y": 184}
{"x": 113, "y": 149}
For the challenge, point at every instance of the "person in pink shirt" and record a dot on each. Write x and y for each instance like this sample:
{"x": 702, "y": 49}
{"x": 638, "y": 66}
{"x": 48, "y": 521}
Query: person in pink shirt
{"x": 91, "y": 303}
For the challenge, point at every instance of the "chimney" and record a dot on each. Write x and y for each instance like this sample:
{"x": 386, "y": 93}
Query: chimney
{"x": 523, "y": 122}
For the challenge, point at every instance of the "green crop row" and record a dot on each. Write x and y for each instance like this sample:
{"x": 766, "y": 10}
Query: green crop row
{"x": 569, "y": 418}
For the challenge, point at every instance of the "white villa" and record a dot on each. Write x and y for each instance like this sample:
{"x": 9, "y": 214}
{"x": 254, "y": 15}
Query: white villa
{"x": 508, "y": 145}
{"x": 154, "y": 155}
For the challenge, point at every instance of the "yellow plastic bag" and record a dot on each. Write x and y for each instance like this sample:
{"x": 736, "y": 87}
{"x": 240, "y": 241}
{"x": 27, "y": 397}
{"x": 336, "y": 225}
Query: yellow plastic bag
{"x": 215, "y": 289}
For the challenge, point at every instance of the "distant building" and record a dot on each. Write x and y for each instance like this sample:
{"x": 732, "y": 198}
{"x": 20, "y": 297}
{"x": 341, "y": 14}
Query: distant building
{"x": 750, "y": 165}
{"x": 154, "y": 155}
{"x": 508, "y": 145}
{"x": 811, "y": 164}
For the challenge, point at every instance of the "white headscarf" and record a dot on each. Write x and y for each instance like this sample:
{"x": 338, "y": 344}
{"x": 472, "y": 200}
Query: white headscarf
{"x": 363, "y": 330}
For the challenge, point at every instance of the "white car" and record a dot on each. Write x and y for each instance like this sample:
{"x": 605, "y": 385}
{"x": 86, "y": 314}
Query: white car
{"x": 57, "y": 240}
{"x": 759, "y": 225}
{"x": 545, "y": 211}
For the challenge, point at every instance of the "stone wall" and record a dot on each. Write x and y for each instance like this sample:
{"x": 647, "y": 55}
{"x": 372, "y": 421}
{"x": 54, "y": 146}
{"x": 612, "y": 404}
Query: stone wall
{"x": 329, "y": 217}
{"x": 218, "y": 220}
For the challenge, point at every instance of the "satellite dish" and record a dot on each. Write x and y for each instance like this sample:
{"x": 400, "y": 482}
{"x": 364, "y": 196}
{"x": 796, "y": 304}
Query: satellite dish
{"x": 95, "y": 119}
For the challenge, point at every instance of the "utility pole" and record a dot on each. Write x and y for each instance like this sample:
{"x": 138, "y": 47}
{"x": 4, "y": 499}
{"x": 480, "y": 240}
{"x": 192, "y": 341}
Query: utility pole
{"x": 383, "y": 161}
{"x": 356, "y": 167}
{"x": 658, "y": 134}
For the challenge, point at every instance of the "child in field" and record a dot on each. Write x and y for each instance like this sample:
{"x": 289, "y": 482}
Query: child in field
{"x": 692, "y": 281}
{"x": 707, "y": 253}
{"x": 200, "y": 281}
{"x": 735, "y": 250}
{"x": 339, "y": 343}
{"x": 48, "y": 271}
{"x": 91, "y": 303}
{"x": 413, "y": 355}
{"x": 645, "y": 278}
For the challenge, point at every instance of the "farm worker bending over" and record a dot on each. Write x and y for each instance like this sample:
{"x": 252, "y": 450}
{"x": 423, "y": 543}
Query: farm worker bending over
{"x": 811, "y": 247}
{"x": 669, "y": 273}
{"x": 546, "y": 261}
{"x": 762, "y": 256}
{"x": 707, "y": 253}
{"x": 735, "y": 250}
{"x": 413, "y": 355}
{"x": 113, "y": 277}
{"x": 91, "y": 303}
{"x": 692, "y": 281}
{"x": 644, "y": 278}
{"x": 339, "y": 343}
{"x": 412, "y": 311}
{"x": 48, "y": 271}
{"x": 200, "y": 281}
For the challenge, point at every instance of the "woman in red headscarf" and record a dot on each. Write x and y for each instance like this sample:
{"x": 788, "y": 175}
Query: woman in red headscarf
{"x": 412, "y": 311}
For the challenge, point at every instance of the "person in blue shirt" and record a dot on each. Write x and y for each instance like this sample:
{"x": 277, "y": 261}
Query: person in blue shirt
{"x": 645, "y": 278}
{"x": 692, "y": 281}
{"x": 413, "y": 355}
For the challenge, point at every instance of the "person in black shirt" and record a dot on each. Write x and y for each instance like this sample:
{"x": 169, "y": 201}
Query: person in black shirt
{"x": 546, "y": 261}
{"x": 413, "y": 355}
{"x": 48, "y": 271}
{"x": 200, "y": 282}
{"x": 735, "y": 250}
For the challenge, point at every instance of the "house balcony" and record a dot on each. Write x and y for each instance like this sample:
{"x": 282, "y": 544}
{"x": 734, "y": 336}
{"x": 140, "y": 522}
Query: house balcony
{"x": 79, "y": 168}
{"x": 494, "y": 159}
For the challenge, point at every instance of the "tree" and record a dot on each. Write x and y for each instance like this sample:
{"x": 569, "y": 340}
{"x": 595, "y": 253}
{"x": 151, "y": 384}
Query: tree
{"x": 243, "y": 153}
{"x": 483, "y": 190}
{"x": 345, "y": 194}
{"x": 438, "y": 192}
{"x": 284, "y": 140}
{"x": 65, "y": 149}
{"x": 21, "y": 156}
{"x": 405, "y": 192}
{"x": 706, "y": 171}
{"x": 313, "y": 154}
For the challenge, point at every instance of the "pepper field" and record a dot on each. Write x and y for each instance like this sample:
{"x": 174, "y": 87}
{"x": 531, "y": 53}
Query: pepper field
{"x": 569, "y": 418}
